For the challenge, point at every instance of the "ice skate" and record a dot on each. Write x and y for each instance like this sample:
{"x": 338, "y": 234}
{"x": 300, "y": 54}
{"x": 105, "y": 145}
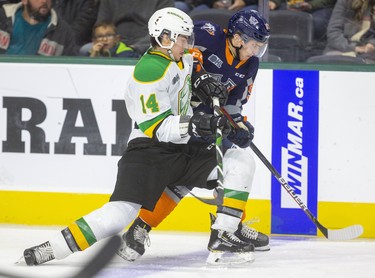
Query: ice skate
{"x": 227, "y": 249}
{"x": 134, "y": 240}
{"x": 38, "y": 254}
{"x": 250, "y": 235}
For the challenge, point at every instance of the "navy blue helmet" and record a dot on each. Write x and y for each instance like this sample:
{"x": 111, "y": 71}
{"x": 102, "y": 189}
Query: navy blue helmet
{"x": 250, "y": 25}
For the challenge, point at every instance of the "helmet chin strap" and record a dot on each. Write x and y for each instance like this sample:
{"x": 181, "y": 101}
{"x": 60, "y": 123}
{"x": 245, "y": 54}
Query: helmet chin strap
{"x": 168, "y": 48}
{"x": 171, "y": 54}
{"x": 238, "y": 52}
{"x": 237, "y": 49}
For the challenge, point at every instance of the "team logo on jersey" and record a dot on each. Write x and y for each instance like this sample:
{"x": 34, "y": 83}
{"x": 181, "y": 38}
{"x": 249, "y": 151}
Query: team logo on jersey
{"x": 209, "y": 28}
{"x": 229, "y": 83}
{"x": 184, "y": 97}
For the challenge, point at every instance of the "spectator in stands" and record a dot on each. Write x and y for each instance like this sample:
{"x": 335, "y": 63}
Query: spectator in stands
{"x": 184, "y": 5}
{"x": 276, "y": 5}
{"x": 80, "y": 15}
{"x": 131, "y": 19}
{"x": 2, "y": 2}
{"x": 253, "y": 4}
{"x": 231, "y": 5}
{"x": 106, "y": 42}
{"x": 321, "y": 11}
{"x": 32, "y": 27}
{"x": 351, "y": 30}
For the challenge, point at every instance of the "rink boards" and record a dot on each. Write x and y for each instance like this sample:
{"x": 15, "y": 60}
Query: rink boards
{"x": 64, "y": 126}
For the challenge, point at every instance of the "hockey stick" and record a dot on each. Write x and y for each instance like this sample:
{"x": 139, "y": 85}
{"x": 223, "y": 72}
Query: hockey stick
{"x": 219, "y": 154}
{"x": 100, "y": 260}
{"x": 218, "y": 200}
{"x": 346, "y": 233}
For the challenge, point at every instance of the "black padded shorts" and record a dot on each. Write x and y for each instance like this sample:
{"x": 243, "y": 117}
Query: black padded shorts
{"x": 147, "y": 167}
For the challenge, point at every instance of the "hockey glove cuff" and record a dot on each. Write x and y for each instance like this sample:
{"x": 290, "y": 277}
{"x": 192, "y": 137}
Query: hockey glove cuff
{"x": 243, "y": 135}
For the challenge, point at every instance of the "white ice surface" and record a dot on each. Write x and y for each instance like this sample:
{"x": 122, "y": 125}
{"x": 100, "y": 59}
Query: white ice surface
{"x": 181, "y": 255}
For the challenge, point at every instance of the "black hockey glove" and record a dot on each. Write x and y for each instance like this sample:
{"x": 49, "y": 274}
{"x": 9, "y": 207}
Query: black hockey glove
{"x": 204, "y": 125}
{"x": 205, "y": 87}
{"x": 243, "y": 135}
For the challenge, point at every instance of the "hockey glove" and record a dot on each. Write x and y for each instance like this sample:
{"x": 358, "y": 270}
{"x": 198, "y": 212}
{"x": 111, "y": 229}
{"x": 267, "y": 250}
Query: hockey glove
{"x": 204, "y": 125}
{"x": 243, "y": 135}
{"x": 205, "y": 87}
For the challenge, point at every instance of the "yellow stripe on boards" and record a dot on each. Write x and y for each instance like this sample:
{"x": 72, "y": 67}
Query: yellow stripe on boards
{"x": 192, "y": 215}
{"x": 47, "y": 208}
{"x": 336, "y": 215}
{"x": 51, "y": 208}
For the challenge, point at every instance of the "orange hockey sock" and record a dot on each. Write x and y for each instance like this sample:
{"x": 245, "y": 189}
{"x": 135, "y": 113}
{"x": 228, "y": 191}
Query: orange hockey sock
{"x": 163, "y": 208}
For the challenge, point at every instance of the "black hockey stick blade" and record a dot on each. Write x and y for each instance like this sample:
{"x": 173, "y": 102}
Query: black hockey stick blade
{"x": 102, "y": 258}
{"x": 99, "y": 261}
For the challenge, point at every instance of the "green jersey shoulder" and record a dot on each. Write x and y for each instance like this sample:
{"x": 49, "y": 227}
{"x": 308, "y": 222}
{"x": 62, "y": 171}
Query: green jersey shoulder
{"x": 151, "y": 67}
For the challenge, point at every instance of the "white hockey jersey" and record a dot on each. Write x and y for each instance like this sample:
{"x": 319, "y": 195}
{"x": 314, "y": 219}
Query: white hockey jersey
{"x": 157, "y": 94}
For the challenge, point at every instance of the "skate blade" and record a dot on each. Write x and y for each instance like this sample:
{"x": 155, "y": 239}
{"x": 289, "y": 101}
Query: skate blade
{"x": 21, "y": 261}
{"x": 262, "y": 248}
{"x": 128, "y": 254}
{"x": 229, "y": 259}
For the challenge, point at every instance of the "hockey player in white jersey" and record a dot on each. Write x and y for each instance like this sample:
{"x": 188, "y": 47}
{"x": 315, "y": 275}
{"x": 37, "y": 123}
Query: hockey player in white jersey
{"x": 231, "y": 57}
{"x": 162, "y": 151}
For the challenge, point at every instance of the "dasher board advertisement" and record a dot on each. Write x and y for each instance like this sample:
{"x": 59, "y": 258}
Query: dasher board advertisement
{"x": 295, "y": 149}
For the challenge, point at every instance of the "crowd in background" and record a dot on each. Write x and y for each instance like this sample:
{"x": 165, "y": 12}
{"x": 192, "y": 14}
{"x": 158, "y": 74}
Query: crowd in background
{"x": 118, "y": 28}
